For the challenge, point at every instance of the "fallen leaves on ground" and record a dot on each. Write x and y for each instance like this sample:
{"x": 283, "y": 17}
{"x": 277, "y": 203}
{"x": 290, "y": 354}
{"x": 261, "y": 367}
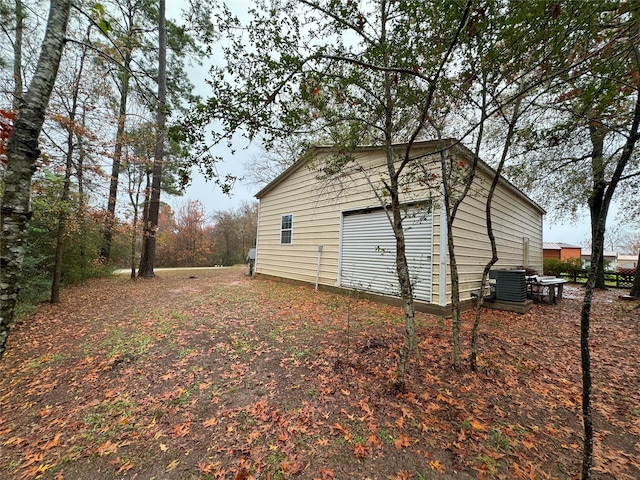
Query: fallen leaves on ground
{"x": 227, "y": 377}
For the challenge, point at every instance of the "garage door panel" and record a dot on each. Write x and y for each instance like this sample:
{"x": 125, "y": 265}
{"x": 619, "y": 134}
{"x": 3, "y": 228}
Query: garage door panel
{"x": 368, "y": 252}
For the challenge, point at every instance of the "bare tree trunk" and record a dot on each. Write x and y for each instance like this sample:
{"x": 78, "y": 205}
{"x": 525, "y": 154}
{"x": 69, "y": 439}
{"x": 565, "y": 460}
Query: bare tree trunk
{"x": 145, "y": 206}
{"x": 134, "y": 230}
{"x": 151, "y": 225}
{"x": 597, "y": 134}
{"x": 585, "y": 363}
{"x": 105, "y": 252}
{"x": 635, "y": 289}
{"x": 22, "y": 153}
{"x": 18, "y": 87}
{"x": 452, "y": 202}
{"x": 62, "y": 222}
{"x": 406, "y": 293}
{"x": 473, "y": 356}
{"x": 402, "y": 267}
{"x": 81, "y": 197}
{"x": 66, "y": 188}
{"x": 135, "y": 187}
{"x": 455, "y": 292}
{"x": 597, "y": 243}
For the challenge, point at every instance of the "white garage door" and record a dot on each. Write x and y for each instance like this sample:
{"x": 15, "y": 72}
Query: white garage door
{"x": 368, "y": 252}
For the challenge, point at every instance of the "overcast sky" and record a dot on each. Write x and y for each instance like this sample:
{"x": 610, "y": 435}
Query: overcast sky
{"x": 208, "y": 192}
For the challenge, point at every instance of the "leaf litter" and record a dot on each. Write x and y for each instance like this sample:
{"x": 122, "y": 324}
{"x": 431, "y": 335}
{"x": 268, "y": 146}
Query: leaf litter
{"x": 227, "y": 377}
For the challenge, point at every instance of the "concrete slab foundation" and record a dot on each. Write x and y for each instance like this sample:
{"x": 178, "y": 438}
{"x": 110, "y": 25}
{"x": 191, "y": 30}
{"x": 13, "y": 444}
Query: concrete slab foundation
{"x": 518, "y": 307}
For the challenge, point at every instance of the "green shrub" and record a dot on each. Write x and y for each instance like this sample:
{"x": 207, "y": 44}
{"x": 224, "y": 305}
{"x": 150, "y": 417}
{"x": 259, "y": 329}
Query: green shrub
{"x": 556, "y": 267}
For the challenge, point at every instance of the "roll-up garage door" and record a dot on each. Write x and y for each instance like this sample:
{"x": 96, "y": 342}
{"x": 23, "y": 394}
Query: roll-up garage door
{"x": 368, "y": 252}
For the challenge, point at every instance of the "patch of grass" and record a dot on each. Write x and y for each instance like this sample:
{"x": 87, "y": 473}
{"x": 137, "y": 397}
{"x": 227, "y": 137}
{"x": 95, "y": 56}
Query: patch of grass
{"x": 275, "y": 334}
{"x": 490, "y": 464}
{"x": 109, "y": 420}
{"x": 274, "y": 462}
{"x": 240, "y": 346}
{"x": 183, "y": 397}
{"x": 499, "y": 440}
{"x": 333, "y": 303}
{"x": 11, "y": 466}
{"x": 299, "y": 352}
{"x": 131, "y": 344}
{"x": 45, "y": 359}
{"x": 385, "y": 436}
{"x": 180, "y": 317}
{"x": 185, "y": 352}
{"x": 164, "y": 327}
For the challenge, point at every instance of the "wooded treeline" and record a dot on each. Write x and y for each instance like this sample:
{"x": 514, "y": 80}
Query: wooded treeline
{"x": 187, "y": 238}
{"x": 87, "y": 184}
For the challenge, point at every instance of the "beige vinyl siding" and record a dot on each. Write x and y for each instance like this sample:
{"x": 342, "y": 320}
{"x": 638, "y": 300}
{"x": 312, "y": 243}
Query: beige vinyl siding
{"x": 317, "y": 211}
{"x": 513, "y": 220}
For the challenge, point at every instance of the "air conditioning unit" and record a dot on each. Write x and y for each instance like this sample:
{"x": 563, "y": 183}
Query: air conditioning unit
{"x": 510, "y": 285}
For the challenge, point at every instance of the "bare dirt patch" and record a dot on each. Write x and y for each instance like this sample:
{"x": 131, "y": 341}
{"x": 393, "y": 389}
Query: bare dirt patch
{"x": 226, "y": 377}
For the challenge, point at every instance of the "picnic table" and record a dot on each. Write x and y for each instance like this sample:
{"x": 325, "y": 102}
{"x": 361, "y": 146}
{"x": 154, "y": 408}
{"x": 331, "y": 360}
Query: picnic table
{"x": 545, "y": 289}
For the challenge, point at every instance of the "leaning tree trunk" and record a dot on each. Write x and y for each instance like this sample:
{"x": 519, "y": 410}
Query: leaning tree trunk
{"x": 22, "y": 153}
{"x": 585, "y": 321}
{"x": 135, "y": 187}
{"x": 81, "y": 208}
{"x": 597, "y": 243}
{"x": 452, "y": 203}
{"x": 473, "y": 356}
{"x": 62, "y": 221}
{"x": 147, "y": 259}
{"x": 406, "y": 294}
{"x": 597, "y": 207}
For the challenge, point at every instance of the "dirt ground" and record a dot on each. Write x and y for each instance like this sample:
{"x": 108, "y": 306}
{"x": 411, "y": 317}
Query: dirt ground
{"x": 209, "y": 374}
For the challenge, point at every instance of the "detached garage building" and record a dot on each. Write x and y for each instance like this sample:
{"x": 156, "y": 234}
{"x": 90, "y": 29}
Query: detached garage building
{"x": 333, "y": 231}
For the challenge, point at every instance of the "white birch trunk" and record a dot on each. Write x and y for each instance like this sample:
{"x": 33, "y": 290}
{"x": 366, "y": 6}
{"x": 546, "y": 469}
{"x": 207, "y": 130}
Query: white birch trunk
{"x": 22, "y": 153}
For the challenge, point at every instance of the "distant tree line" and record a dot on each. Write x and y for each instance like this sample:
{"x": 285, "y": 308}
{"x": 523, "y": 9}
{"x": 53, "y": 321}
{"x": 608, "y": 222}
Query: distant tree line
{"x": 77, "y": 136}
{"x": 186, "y": 238}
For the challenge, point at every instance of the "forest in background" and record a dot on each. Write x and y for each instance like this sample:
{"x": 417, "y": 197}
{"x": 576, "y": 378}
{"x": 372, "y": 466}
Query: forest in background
{"x": 92, "y": 180}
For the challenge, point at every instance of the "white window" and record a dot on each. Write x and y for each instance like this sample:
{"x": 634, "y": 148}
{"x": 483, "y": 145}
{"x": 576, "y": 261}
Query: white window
{"x": 286, "y": 229}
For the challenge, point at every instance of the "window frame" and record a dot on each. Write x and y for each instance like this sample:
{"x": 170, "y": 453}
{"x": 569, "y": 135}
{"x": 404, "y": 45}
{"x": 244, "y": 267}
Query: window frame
{"x": 284, "y": 230}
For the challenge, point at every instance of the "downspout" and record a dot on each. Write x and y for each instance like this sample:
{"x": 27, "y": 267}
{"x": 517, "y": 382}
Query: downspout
{"x": 442, "y": 283}
{"x": 255, "y": 262}
{"x": 318, "y": 269}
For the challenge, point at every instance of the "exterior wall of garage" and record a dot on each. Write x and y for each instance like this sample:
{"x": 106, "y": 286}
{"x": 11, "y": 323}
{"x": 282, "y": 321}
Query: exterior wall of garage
{"x": 317, "y": 207}
{"x": 517, "y": 227}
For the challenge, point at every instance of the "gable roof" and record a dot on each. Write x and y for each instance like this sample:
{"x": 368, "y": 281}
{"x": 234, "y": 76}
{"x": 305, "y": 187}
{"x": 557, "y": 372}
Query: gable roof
{"x": 450, "y": 143}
